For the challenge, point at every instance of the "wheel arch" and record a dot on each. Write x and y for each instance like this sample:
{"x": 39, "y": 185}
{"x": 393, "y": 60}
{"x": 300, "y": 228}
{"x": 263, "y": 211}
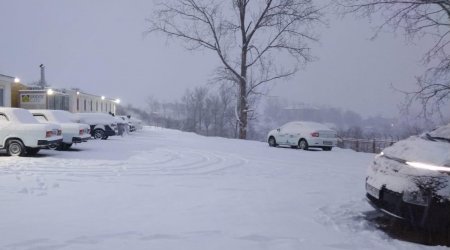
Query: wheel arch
{"x": 7, "y": 139}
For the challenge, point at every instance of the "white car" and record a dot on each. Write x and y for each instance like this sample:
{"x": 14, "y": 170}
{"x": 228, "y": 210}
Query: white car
{"x": 102, "y": 125}
{"x": 21, "y": 133}
{"x": 303, "y": 135}
{"x": 72, "y": 132}
{"x": 410, "y": 180}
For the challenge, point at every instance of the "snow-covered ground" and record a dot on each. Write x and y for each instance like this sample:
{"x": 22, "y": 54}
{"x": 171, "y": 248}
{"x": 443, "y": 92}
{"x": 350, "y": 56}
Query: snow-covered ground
{"x": 165, "y": 189}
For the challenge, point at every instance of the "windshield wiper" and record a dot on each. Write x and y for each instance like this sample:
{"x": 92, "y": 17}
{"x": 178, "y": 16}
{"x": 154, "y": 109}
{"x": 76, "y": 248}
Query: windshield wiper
{"x": 436, "y": 138}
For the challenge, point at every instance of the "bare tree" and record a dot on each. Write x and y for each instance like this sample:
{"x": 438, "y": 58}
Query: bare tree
{"x": 417, "y": 19}
{"x": 247, "y": 37}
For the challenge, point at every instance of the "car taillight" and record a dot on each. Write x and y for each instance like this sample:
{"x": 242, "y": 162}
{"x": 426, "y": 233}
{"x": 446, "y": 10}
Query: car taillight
{"x": 48, "y": 134}
{"x": 315, "y": 134}
{"x": 81, "y": 131}
{"x": 59, "y": 131}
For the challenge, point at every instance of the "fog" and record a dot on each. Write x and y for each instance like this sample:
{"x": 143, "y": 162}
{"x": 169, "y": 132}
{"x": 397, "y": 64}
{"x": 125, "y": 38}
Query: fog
{"x": 101, "y": 48}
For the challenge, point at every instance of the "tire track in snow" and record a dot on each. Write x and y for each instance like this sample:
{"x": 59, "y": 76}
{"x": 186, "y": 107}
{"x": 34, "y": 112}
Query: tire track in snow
{"x": 38, "y": 174}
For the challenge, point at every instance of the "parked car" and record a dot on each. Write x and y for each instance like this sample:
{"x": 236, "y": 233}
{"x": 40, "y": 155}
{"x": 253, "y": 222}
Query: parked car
{"x": 130, "y": 127}
{"x": 410, "y": 180}
{"x": 303, "y": 135}
{"x": 102, "y": 125}
{"x": 138, "y": 124}
{"x": 21, "y": 133}
{"x": 72, "y": 132}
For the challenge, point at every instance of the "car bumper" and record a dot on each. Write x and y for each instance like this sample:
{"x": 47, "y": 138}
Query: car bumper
{"x": 49, "y": 143}
{"x": 435, "y": 213}
{"x": 322, "y": 142}
{"x": 80, "y": 139}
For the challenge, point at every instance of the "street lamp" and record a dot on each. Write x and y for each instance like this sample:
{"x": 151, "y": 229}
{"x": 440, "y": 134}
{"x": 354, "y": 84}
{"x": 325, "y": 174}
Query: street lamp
{"x": 16, "y": 80}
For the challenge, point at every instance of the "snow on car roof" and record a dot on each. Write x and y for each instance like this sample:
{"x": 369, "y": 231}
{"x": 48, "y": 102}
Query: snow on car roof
{"x": 310, "y": 125}
{"x": 91, "y": 118}
{"x": 61, "y": 116}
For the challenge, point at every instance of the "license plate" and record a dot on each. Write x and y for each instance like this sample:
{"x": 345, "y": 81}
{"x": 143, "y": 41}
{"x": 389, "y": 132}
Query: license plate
{"x": 327, "y": 143}
{"x": 373, "y": 191}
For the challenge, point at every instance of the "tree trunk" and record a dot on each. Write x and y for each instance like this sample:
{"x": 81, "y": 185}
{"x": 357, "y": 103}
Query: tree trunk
{"x": 243, "y": 105}
{"x": 242, "y": 110}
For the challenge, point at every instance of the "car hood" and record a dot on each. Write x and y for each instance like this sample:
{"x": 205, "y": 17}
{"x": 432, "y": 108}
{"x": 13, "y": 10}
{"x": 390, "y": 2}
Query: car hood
{"x": 418, "y": 149}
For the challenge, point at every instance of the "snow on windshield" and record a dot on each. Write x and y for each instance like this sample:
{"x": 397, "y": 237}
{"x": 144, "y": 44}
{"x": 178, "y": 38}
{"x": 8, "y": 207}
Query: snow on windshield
{"x": 443, "y": 132}
{"x": 24, "y": 116}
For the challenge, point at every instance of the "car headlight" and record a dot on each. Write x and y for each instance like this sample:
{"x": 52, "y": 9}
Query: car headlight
{"x": 415, "y": 197}
{"x": 426, "y": 166}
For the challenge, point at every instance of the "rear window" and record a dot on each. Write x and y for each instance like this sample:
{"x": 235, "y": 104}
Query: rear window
{"x": 24, "y": 116}
{"x": 40, "y": 118}
{"x": 64, "y": 117}
{"x": 3, "y": 118}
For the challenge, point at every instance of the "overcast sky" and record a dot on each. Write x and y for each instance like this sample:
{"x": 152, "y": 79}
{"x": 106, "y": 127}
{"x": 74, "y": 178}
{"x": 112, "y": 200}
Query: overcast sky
{"x": 99, "y": 46}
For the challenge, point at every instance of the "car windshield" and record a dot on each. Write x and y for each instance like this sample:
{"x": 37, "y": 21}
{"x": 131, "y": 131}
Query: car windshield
{"x": 439, "y": 134}
{"x": 436, "y": 138}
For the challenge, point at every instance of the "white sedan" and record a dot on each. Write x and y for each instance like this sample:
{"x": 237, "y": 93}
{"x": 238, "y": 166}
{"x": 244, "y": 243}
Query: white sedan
{"x": 303, "y": 135}
{"x": 72, "y": 132}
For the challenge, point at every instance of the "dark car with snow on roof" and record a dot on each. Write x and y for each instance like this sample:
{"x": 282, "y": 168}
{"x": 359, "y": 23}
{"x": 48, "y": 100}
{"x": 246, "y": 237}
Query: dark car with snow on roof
{"x": 410, "y": 180}
{"x": 101, "y": 125}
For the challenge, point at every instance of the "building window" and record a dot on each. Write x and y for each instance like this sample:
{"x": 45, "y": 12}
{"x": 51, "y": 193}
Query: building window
{"x": 78, "y": 104}
{"x": 91, "y": 106}
{"x": 84, "y": 104}
{"x": 101, "y": 107}
{"x": 96, "y": 106}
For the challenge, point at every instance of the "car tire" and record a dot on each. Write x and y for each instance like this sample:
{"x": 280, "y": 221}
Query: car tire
{"x": 32, "y": 151}
{"x": 327, "y": 148}
{"x": 105, "y": 137}
{"x": 99, "y": 134}
{"x": 272, "y": 142}
{"x": 15, "y": 148}
{"x": 303, "y": 144}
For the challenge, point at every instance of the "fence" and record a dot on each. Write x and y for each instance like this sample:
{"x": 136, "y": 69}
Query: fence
{"x": 365, "y": 145}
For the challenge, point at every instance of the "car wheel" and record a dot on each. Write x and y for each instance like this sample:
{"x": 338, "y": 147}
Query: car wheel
{"x": 32, "y": 151}
{"x": 105, "y": 137}
{"x": 303, "y": 144}
{"x": 272, "y": 142}
{"x": 326, "y": 148}
{"x": 15, "y": 148}
{"x": 99, "y": 134}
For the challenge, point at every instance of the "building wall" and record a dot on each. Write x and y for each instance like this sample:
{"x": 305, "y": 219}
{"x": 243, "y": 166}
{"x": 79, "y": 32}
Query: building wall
{"x": 15, "y": 95}
{"x": 39, "y": 99}
{"x": 86, "y": 103}
{"x": 5, "y": 90}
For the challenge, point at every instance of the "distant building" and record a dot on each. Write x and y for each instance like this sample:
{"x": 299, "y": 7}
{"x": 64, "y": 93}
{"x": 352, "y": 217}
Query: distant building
{"x": 81, "y": 102}
{"x": 5, "y": 90}
{"x": 43, "y": 99}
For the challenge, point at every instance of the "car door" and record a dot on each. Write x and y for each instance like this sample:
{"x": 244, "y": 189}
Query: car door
{"x": 294, "y": 134}
{"x": 4, "y": 123}
{"x": 283, "y": 135}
